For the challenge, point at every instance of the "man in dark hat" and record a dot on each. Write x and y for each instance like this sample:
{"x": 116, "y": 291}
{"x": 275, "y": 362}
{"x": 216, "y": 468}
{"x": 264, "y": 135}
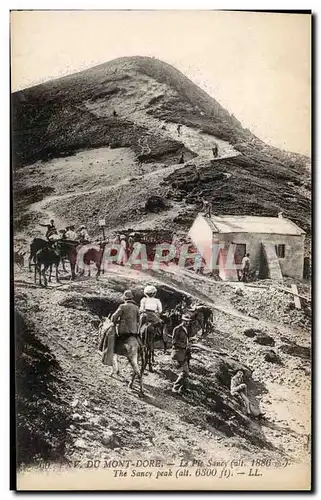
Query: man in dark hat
{"x": 181, "y": 352}
{"x": 127, "y": 316}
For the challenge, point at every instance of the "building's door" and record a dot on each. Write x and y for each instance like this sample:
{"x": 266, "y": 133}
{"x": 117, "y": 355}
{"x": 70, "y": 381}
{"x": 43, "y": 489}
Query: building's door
{"x": 240, "y": 252}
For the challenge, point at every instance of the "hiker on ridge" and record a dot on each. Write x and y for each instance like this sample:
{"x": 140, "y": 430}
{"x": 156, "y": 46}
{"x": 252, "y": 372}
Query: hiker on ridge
{"x": 206, "y": 208}
{"x": 181, "y": 160}
{"x": 215, "y": 150}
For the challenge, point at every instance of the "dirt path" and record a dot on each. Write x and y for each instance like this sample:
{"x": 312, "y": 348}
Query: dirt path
{"x": 161, "y": 424}
{"x": 133, "y": 108}
{"x": 149, "y": 426}
{"x": 38, "y": 206}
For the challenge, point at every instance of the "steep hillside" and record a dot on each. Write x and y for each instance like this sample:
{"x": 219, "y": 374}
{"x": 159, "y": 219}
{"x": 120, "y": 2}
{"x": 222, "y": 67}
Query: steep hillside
{"x": 134, "y": 104}
{"x": 43, "y": 415}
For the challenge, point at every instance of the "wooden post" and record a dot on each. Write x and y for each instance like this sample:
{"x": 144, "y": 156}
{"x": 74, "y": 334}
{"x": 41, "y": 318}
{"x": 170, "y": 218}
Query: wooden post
{"x": 287, "y": 290}
{"x": 296, "y": 298}
{"x": 102, "y": 224}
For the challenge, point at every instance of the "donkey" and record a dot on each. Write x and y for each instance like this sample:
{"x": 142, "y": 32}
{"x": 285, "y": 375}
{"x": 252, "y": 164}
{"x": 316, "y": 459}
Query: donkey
{"x": 18, "y": 258}
{"x": 44, "y": 259}
{"x": 130, "y": 347}
{"x": 94, "y": 253}
{"x": 202, "y": 318}
{"x": 170, "y": 319}
{"x": 36, "y": 245}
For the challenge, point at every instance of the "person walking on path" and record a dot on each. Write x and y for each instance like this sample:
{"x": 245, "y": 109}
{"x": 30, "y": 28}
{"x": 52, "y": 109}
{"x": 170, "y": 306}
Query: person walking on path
{"x": 181, "y": 352}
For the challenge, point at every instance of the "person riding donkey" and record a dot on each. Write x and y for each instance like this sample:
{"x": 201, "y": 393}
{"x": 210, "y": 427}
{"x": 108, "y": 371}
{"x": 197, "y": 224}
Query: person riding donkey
{"x": 150, "y": 308}
{"x": 51, "y": 233}
{"x": 126, "y": 317}
{"x": 83, "y": 235}
{"x": 71, "y": 233}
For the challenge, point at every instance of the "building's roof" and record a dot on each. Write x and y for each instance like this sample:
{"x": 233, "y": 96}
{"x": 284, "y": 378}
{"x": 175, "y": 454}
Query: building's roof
{"x": 249, "y": 224}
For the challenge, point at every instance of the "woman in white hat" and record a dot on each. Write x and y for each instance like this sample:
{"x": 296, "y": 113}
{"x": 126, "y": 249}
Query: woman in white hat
{"x": 150, "y": 307}
{"x": 83, "y": 235}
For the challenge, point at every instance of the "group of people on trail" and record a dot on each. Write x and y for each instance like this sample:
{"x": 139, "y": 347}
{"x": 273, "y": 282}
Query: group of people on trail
{"x": 69, "y": 233}
{"x": 130, "y": 318}
{"x": 82, "y": 237}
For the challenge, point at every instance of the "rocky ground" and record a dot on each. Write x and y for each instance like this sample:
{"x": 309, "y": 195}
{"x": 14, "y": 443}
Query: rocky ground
{"x": 105, "y": 419}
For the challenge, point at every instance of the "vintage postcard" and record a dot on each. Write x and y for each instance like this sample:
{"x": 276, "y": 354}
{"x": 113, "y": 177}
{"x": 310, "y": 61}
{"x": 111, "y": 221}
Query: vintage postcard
{"x": 161, "y": 249}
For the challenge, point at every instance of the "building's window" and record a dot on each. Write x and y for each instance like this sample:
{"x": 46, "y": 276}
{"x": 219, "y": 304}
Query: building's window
{"x": 280, "y": 251}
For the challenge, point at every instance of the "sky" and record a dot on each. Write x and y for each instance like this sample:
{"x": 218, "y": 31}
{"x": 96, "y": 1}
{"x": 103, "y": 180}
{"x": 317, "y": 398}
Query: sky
{"x": 256, "y": 65}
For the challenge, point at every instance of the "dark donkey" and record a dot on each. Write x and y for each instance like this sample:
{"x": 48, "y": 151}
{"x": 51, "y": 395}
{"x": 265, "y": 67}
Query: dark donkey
{"x": 68, "y": 249}
{"x": 36, "y": 245}
{"x": 148, "y": 333}
{"x": 170, "y": 320}
{"x": 45, "y": 258}
{"x": 202, "y": 319}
